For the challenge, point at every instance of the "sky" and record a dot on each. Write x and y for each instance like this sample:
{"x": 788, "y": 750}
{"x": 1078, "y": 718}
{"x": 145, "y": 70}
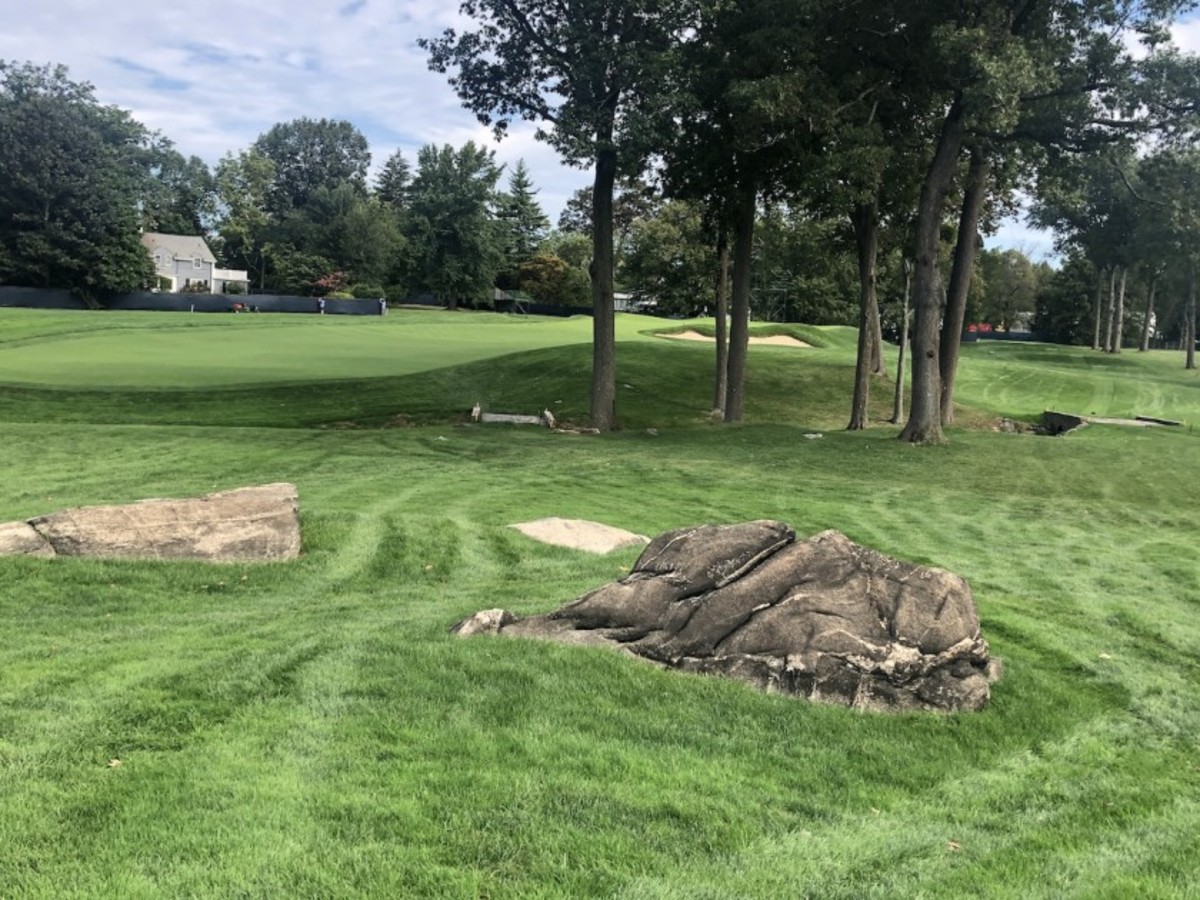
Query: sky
{"x": 212, "y": 75}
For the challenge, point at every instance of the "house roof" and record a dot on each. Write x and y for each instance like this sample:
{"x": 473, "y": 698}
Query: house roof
{"x": 181, "y": 246}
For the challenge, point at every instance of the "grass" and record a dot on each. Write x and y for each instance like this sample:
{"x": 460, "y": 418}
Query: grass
{"x": 310, "y": 728}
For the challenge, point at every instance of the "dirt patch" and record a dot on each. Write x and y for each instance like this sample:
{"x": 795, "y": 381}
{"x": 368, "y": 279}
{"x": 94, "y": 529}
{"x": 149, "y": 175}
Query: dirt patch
{"x": 778, "y": 340}
{"x": 580, "y": 534}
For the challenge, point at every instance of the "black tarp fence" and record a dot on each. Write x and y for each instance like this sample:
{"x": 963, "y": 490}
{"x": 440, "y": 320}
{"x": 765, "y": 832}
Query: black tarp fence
{"x": 56, "y": 298}
{"x": 60, "y": 298}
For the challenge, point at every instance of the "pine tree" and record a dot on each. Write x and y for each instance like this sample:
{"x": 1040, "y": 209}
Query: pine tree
{"x": 523, "y": 225}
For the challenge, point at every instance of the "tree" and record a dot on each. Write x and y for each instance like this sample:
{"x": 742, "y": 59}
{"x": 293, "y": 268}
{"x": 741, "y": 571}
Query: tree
{"x": 309, "y": 154}
{"x": 243, "y": 188}
{"x": 1088, "y": 200}
{"x": 523, "y": 225}
{"x": 1010, "y": 286}
{"x": 70, "y": 181}
{"x": 1172, "y": 183}
{"x": 671, "y": 259}
{"x": 179, "y": 194}
{"x": 454, "y": 241}
{"x": 585, "y": 70}
{"x": 745, "y": 118}
{"x": 551, "y": 279}
{"x": 1063, "y": 303}
{"x": 394, "y": 181}
{"x": 575, "y": 249}
{"x": 359, "y": 235}
{"x": 1053, "y": 74}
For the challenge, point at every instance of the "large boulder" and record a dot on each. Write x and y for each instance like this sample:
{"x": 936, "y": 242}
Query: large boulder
{"x": 244, "y": 525}
{"x": 823, "y": 618}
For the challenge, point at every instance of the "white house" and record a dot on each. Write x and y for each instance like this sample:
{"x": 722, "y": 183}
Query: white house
{"x": 185, "y": 261}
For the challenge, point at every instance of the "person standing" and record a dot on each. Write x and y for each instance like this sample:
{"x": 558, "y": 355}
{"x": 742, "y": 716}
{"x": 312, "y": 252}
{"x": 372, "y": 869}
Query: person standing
{"x": 321, "y": 305}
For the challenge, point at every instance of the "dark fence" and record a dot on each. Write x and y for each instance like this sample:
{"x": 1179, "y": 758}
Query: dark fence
{"x": 39, "y": 298}
{"x": 54, "y": 298}
{"x": 60, "y": 298}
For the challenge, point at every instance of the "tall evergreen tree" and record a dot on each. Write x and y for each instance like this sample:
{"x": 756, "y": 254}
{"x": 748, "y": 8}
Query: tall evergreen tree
{"x": 394, "y": 181}
{"x": 523, "y": 225}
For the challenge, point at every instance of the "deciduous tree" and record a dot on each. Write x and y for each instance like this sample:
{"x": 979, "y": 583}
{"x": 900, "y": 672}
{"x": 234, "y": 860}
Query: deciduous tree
{"x": 454, "y": 240}
{"x": 584, "y": 70}
{"x": 70, "y": 182}
{"x": 311, "y": 153}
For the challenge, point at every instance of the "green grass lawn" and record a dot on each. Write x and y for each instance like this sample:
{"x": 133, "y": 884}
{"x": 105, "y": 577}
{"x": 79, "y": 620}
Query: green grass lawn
{"x": 311, "y": 729}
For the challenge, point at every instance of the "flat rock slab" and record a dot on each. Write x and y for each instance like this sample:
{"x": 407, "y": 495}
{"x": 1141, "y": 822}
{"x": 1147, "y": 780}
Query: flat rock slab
{"x": 580, "y": 534}
{"x": 252, "y": 524}
{"x": 823, "y": 618}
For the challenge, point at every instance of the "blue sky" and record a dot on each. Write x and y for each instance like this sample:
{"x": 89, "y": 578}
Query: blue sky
{"x": 214, "y": 74}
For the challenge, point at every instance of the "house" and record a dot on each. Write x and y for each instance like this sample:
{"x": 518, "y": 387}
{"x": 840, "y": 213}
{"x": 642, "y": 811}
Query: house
{"x": 184, "y": 261}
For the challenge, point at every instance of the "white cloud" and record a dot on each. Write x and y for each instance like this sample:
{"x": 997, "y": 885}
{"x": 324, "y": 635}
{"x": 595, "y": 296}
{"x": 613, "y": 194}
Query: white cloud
{"x": 1186, "y": 34}
{"x": 1015, "y": 234}
{"x": 214, "y": 74}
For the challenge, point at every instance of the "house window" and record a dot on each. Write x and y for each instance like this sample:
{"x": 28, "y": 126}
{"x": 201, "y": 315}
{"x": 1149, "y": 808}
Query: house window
{"x": 195, "y": 262}
{"x": 158, "y": 260}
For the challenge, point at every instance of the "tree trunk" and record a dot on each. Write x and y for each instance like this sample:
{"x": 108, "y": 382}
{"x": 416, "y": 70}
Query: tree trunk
{"x": 1119, "y": 314}
{"x": 1108, "y": 310}
{"x": 877, "y": 362}
{"x": 721, "y": 382}
{"x": 898, "y": 396}
{"x": 1099, "y": 309}
{"x": 865, "y": 219}
{"x": 1144, "y": 343}
{"x": 604, "y": 372}
{"x": 960, "y": 278}
{"x": 1189, "y": 329}
{"x": 924, "y": 419}
{"x": 739, "y": 330}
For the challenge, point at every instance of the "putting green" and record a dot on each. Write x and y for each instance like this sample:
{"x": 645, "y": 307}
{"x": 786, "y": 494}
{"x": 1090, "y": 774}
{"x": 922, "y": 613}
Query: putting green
{"x": 177, "y": 350}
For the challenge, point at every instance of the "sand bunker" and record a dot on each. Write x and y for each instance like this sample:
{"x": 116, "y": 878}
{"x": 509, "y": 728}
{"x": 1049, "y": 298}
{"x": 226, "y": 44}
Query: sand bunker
{"x": 779, "y": 340}
{"x": 579, "y": 534}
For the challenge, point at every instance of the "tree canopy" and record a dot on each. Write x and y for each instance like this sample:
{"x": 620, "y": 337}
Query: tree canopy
{"x": 71, "y": 179}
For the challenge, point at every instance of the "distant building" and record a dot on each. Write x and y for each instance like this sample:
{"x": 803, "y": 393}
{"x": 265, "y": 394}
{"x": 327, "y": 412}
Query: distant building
{"x": 184, "y": 261}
